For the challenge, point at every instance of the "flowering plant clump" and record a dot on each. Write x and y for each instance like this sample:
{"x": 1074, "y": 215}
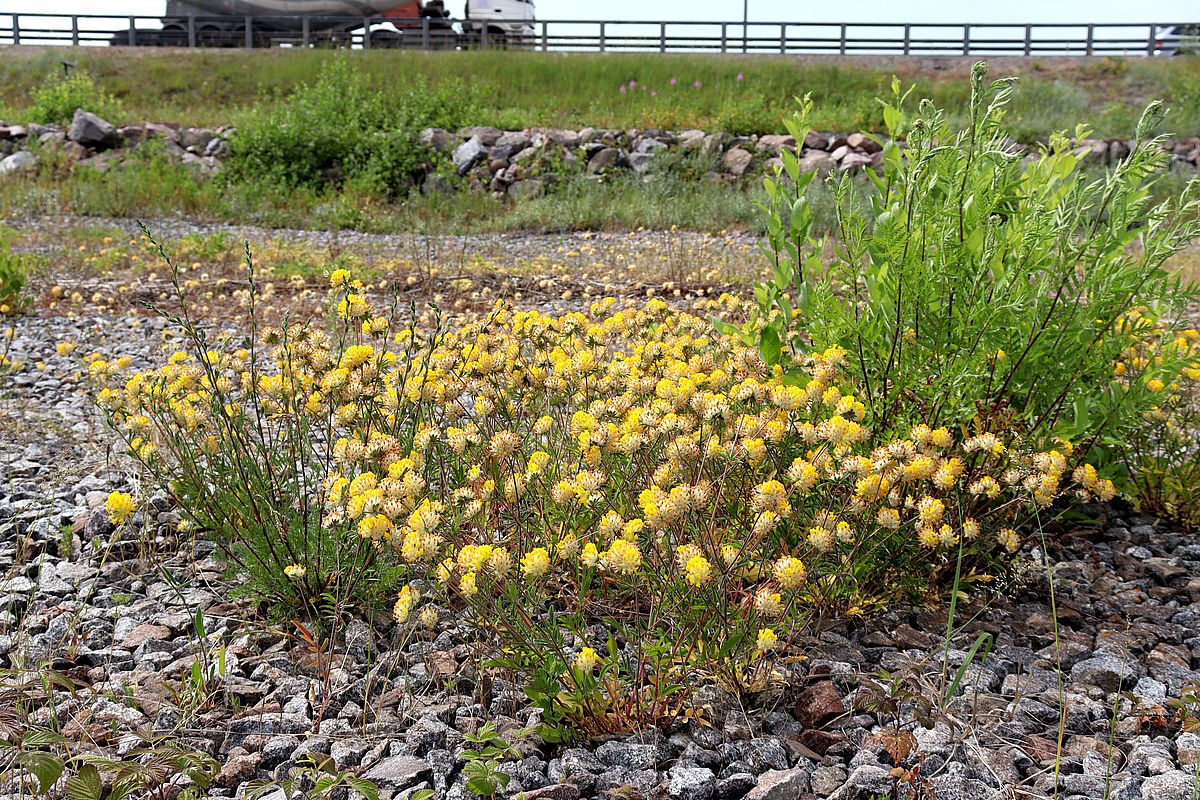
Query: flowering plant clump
{"x": 620, "y": 500}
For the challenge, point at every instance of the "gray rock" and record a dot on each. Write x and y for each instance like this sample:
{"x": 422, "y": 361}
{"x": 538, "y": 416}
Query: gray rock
{"x": 398, "y": 772}
{"x": 18, "y": 162}
{"x": 642, "y": 155}
{"x": 827, "y": 780}
{"x": 736, "y": 161}
{"x": 691, "y": 783}
{"x": 195, "y": 139}
{"x": 604, "y": 158}
{"x": 1174, "y": 785}
{"x": 1104, "y": 670}
{"x": 780, "y": 785}
{"x": 1150, "y": 691}
{"x": 629, "y": 754}
{"x": 864, "y": 780}
{"x": 468, "y": 154}
{"x": 486, "y": 134}
{"x": 854, "y": 161}
{"x": 90, "y": 130}
{"x": 735, "y": 786}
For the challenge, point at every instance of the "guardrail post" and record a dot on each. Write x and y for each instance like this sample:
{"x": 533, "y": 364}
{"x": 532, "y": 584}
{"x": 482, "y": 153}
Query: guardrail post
{"x": 1149, "y": 39}
{"x": 907, "y": 39}
{"x": 74, "y": 30}
{"x": 191, "y": 31}
{"x": 16, "y": 29}
{"x": 483, "y": 35}
{"x": 1091, "y": 38}
{"x": 602, "y": 37}
{"x": 424, "y": 33}
{"x": 366, "y": 33}
{"x": 842, "y": 40}
{"x": 249, "y": 42}
{"x": 783, "y": 38}
{"x": 966, "y": 40}
{"x": 543, "y": 36}
{"x": 304, "y": 30}
{"x": 724, "y": 37}
{"x": 1028, "y": 40}
{"x": 132, "y": 31}
{"x": 662, "y": 37}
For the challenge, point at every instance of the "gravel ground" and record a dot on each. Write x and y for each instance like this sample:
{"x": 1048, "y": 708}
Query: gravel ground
{"x": 114, "y": 613}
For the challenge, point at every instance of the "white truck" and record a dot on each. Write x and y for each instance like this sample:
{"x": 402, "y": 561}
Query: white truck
{"x": 393, "y": 23}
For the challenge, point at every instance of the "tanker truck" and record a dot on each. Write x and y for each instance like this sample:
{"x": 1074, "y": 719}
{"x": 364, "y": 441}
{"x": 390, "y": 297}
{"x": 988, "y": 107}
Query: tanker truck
{"x": 393, "y": 23}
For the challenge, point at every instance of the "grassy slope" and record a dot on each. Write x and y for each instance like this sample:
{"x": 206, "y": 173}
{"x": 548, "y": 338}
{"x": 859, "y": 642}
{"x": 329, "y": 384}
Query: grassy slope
{"x": 520, "y": 89}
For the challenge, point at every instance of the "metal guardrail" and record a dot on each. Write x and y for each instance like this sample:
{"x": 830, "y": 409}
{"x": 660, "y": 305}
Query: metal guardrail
{"x": 763, "y": 38}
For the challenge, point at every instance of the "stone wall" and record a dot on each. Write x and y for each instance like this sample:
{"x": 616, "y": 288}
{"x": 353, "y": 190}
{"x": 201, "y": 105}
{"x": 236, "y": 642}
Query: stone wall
{"x": 522, "y": 164}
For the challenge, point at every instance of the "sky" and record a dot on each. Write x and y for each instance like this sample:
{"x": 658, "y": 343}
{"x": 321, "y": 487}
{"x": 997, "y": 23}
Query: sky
{"x": 916, "y": 11}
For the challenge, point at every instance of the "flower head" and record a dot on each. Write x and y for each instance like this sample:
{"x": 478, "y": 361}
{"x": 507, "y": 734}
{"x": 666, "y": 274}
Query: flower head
{"x": 120, "y": 507}
{"x": 295, "y": 571}
{"x": 587, "y": 660}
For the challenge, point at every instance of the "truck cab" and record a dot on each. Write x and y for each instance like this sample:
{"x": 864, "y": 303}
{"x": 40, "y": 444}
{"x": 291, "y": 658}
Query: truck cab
{"x": 506, "y": 21}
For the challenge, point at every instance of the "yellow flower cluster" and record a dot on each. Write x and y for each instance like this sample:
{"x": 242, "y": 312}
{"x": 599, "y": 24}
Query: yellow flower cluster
{"x": 619, "y": 448}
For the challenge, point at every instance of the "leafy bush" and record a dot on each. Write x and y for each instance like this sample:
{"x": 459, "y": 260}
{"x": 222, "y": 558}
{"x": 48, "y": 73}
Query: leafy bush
{"x": 622, "y": 500}
{"x": 56, "y": 100}
{"x": 344, "y": 128}
{"x": 980, "y": 289}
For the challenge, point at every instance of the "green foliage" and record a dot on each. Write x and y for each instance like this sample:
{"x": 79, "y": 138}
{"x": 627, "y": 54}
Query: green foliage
{"x": 56, "y": 100}
{"x": 344, "y": 128}
{"x": 318, "y": 778}
{"x": 975, "y": 288}
{"x": 482, "y": 770}
{"x": 14, "y": 274}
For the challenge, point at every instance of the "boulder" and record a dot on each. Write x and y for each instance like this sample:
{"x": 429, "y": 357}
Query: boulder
{"x": 468, "y": 154}
{"x": 484, "y": 133}
{"x": 195, "y": 139}
{"x": 643, "y": 154}
{"x": 90, "y": 130}
{"x": 19, "y": 162}
{"x": 604, "y": 158}
{"x": 854, "y": 161}
{"x": 773, "y": 143}
{"x": 815, "y": 141}
{"x": 817, "y": 161}
{"x": 736, "y": 161}
{"x": 863, "y": 143}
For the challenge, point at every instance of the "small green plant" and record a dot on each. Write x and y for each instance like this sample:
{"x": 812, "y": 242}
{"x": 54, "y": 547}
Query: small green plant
{"x": 482, "y": 771}
{"x": 56, "y": 100}
{"x": 318, "y": 778}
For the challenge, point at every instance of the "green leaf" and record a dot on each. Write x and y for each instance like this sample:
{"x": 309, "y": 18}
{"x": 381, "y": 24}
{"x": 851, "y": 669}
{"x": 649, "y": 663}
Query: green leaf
{"x": 769, "y": 345}
{"x": 84, "y": 785}
{"x": 46, "y": 767}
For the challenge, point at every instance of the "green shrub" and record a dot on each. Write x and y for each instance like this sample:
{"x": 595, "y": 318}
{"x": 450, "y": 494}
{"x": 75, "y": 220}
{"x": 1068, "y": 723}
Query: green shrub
{"x": 978, "y": 289}
{"x": 56, "y": 100}
{"x": 343, "y": 128}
